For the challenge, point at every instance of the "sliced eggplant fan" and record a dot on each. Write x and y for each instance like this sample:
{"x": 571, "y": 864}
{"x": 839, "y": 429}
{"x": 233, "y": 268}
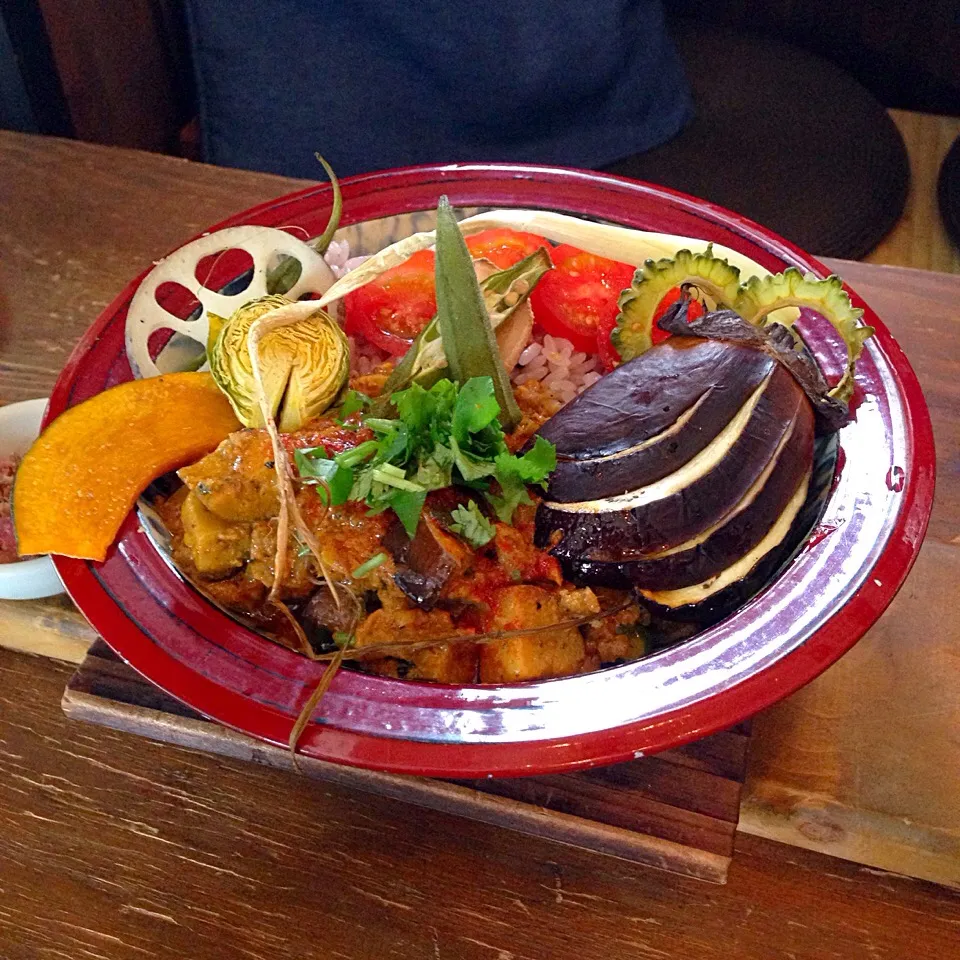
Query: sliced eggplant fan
{"x": 693, "y": 471}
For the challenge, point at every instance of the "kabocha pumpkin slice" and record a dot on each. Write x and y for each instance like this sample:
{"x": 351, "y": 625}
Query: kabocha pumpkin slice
{"x": 83, "y": 475}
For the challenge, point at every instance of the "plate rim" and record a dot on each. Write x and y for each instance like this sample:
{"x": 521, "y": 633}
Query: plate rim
{"x": 518, "y": 757}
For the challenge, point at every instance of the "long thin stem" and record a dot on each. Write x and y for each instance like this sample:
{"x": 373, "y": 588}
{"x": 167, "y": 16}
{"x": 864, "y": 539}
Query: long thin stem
{"x": 375, "y": 651}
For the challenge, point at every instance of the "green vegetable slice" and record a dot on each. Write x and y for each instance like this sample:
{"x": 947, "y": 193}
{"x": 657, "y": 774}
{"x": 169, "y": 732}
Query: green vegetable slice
{"x": 714, "y": 277}
{"x": 402, "y": 374}
{"x": 465, "y": 329}
{"x": 502, "y": 293}
{"x": 760, "y": 297}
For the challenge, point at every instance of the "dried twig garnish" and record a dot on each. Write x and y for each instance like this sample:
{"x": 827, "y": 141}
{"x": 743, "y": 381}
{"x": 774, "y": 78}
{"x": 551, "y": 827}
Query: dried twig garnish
{"x": 307, "y": 712}
{"x": 288, "y": 500}
{"x": 349, "y": 652}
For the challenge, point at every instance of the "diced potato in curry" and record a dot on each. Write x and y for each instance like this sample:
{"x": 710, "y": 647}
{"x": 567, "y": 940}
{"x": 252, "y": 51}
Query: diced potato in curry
{"x": 218, "y": 546}
{"x": 224, "y": 528}
{"x": 237, "y": 481}
{"x": 446, "y": 663}
{"x": 554, "y": 653}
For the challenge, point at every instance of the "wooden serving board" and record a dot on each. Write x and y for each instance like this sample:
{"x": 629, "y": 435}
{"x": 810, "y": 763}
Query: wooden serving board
{"x": 864, "y": 763}
{"x": 676, "y": 811}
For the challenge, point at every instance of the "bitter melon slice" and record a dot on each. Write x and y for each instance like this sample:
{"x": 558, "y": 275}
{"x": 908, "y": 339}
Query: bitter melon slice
{"x": 761, "y": 296}
{"x": 715, "y": 278}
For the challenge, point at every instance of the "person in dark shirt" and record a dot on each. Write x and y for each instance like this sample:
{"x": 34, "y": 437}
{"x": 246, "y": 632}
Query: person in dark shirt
{"x": 374, "y": 84}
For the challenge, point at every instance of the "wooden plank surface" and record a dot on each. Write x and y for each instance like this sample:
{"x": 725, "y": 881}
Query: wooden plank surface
{"x": 119, "y": 848}
{"x": 865, "y": 761}
{"x": 837, "y": 766}
{"x": 677, "y": 811}
{"x": 52, "y": 627}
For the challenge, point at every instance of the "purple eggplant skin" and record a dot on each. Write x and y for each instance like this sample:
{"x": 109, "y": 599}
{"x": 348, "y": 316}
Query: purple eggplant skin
{"x": 724, "y": 602}
{"x": 737, "y": 537}
{"x": 423, "y": 563}
{"x": 638, "y": 402}
{"x": 661, "y": 524}
{"x": 773, "y": 339}
{"x": 321, "y": 616}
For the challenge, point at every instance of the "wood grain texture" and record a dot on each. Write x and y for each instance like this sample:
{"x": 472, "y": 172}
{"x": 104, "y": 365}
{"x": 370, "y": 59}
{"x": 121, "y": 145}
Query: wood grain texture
{"x": 77, "y": 222}
{"x": 112, "y": 846}
{"x": 865, "y": 761}
{"x": 52, "y": 627}
{"x": 677, "y": 811}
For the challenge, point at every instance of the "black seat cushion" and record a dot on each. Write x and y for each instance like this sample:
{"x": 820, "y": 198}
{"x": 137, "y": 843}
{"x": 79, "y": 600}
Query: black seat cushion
{"x": 948, "y": 192}
{"x": 785, "y": 138}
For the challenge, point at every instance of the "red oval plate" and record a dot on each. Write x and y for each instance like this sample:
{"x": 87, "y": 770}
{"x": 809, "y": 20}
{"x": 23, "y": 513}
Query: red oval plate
{"x": 817, "y": 609}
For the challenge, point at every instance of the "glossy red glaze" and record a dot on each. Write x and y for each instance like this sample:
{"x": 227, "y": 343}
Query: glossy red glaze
{"x": 829, "y": 596}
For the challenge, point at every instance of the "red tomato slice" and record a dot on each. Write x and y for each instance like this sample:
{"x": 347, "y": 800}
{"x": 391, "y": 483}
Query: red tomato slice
{"x": 391, "y": 310}
{"x": 670, "y": 298}
{"x": 503, "y": 247}
{"x": 578, "y": 297}
{"x": 564, "y": 251}
{"x": 607, "y": 352}
{"x": 609, "y": 358}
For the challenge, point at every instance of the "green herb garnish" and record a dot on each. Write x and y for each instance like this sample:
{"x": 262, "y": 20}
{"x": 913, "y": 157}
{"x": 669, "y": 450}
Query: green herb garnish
{"x": 407, "y": 506}
{"x": 333, "y": 482}
{"x": 369, "y": 565}
{"x": 440, "y": 437}
{"x": 514, "y": 473}
{"x": 353, "y": 402}
{"x": 472, "y": 525}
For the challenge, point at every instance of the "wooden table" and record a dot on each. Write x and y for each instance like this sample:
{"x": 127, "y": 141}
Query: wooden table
{"x": 112, "y": 846}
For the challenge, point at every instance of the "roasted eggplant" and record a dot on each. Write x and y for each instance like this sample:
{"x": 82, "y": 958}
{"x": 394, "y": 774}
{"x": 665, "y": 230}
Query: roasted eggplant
{"x": 685, "y": 472}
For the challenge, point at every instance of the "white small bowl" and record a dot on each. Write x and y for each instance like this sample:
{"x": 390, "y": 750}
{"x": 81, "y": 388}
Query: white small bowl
{"x": 25, "y": 579}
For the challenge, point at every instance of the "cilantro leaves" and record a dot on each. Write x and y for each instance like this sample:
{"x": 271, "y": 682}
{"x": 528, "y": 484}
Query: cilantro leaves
{"x": 441, "y": 437}
{"x": 472, "y": 525}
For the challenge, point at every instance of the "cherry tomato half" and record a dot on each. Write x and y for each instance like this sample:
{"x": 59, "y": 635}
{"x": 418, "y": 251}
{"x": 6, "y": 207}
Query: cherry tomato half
{"x": 503, "y": 247}
{"x": 563, "y": 251}
{"x": 609, "y": 358}
{"x": 578, "y": 297}
{"x": 392, "y": 309}
{"x": 670, "y": 298}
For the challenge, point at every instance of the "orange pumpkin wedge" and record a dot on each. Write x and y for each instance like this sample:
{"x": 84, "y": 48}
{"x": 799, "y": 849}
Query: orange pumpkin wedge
{"x": 82, "y": 476}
